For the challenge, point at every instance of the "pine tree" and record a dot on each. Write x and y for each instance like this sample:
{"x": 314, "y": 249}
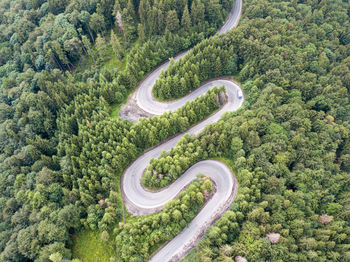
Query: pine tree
{"x": 141, "y": 32}
{"x": 196, "y": 82}
{"x": 87, "y": 46}
{"x": 131, "y": 9}
{"x": 144, "y": 8}
{"x": 116, "y": 46}
{"x": 197, "y": 13}
{"x": 172, "y": 21}
{"x": 186, "y": 19}
{"x": 159, "y": 17}
{"x": 128, "y": 18}
{"x": 101, "y": 47}
{"x": 218, "y": 66}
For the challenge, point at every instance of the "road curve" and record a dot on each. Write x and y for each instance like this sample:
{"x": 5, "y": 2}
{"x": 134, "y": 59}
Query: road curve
{"x": 143, "y": 94}
{"x": 140, "y": 201}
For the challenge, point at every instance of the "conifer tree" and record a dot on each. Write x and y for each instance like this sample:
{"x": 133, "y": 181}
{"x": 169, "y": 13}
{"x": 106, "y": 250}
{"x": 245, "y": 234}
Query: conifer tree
{"x": 141, "y": 32}
{"x": 116, "y": 46}
{"x": 186, "y": 19}
{"x": 172, "y": 21}
{"x": 197, "y": 13}
{"x": 101, "y": 48}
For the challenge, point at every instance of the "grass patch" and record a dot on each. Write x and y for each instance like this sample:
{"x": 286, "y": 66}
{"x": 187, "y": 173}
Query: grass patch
{"x": 115, "y": 109}
{"x": 236, "y": 77}
{"x": 229, "y": 162}
{"x": 113, "y": 62}
{"x": 88, "y": 247}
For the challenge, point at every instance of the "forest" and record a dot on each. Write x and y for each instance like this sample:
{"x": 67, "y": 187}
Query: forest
{"x": 149, "y": 232}
{"x": 64, "y": 66}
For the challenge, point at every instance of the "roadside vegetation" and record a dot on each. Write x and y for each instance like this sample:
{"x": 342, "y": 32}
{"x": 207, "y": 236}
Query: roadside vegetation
{"x": 64, "y": 64}
{"x": 139, "y": 238}
{"x": 290, "y": 146}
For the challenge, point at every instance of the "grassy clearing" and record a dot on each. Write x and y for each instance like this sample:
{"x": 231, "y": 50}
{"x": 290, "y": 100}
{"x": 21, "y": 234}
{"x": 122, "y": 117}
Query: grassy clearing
{"x": 113, "y": 62}
{"x": 88, "y": 247}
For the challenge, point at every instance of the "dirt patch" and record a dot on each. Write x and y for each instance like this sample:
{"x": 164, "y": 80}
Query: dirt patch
{"x": 131, "y": 111}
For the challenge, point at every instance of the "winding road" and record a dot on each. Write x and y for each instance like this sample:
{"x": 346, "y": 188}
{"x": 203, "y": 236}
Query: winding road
{"x": 140, "y": 201}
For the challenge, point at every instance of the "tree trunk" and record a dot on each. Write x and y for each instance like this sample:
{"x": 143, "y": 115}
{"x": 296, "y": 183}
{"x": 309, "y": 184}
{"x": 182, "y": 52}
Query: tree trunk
{"x": 91, "y": 35}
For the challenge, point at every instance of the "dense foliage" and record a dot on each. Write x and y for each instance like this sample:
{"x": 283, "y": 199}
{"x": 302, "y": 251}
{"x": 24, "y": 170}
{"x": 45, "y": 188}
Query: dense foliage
{"x": 55, "y": 93}
{"x": 204, "y": 61}
{"x": 290, "y": 146}
{"x": 61, "y": 154}
{"x": 92, "y": 158}
{"x": 138, "y": 239}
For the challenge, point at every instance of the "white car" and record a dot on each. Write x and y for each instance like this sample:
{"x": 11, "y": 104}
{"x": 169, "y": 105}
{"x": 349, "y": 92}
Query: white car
{"x": 239, "y": 93}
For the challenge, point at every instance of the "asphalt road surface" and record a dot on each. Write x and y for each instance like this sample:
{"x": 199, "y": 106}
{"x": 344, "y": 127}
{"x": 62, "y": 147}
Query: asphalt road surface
{"x": 140, "y": 201}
